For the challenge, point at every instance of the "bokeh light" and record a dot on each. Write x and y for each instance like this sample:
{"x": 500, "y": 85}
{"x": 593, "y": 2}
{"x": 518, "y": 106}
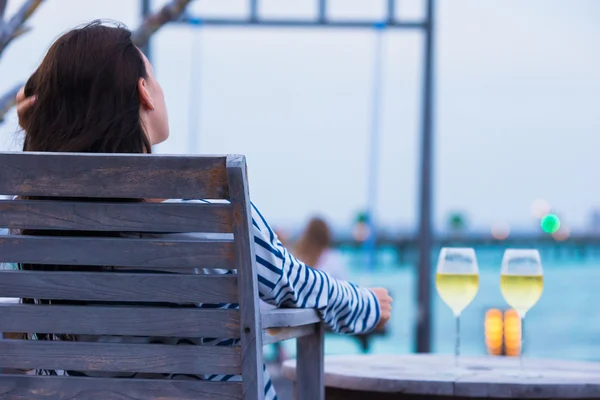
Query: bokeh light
{"x": 361, "y": 232}
{"x": 512, "y": 333}
{"x": 494, "y": 335}
{"x": 500, "y": 230}
{"x": 550, "y": 223}
{"x": 539, "y": 208}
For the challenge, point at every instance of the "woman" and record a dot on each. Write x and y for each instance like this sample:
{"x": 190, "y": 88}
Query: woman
{"x": 95, "y": 92}
{"x": 314, "y": 248}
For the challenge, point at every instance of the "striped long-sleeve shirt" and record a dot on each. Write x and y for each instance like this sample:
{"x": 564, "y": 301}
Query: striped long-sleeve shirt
{"x": 283, "y": 280}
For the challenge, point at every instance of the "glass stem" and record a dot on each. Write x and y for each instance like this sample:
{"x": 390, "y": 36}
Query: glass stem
{"x": 522, "y": 341}
{"x": 457, "y": 346}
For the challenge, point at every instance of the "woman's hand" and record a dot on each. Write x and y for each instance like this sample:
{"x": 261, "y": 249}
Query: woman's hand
{"x": 23, "y": 106}
{"x": 385, "y": 306}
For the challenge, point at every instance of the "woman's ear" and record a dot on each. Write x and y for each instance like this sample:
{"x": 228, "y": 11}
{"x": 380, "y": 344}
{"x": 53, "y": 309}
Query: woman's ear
{"x": 145, "y": 97}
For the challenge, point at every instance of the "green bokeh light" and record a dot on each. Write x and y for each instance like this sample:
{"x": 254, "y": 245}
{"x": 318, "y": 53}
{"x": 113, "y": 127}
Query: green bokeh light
{"x": 550, "y": 223}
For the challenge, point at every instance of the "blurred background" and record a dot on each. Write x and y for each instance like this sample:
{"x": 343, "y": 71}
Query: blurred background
{"x": 331, "y": 119}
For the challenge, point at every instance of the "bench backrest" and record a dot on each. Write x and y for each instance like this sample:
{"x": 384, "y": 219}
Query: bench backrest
{"x": 104, "y": 181}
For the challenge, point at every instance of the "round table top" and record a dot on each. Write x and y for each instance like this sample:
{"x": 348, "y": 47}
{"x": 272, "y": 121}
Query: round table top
{"x": 436, "y": 375}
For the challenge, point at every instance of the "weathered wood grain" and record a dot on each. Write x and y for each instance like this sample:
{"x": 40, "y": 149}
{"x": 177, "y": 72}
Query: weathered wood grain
{"x": 434, "y": 376}
{"x": 288, "y": 317}
{"x": 113, "y": 175}
{"x": 311, "y": 380}
{"x": 126, "y": 357}
{"x": 124, "y": 252}
{"x": 117, "y": 217}
{"x": 15, "y": 387}
{"x": 128, "y": 287}
{"x": 251, "y": 333}
{"x": 120, "y": 320}
{"x": 344, "y": 394}
{"x": 332, "y": 393}
{"x": 275, "y": 335}
{"x": 101, "y": 177}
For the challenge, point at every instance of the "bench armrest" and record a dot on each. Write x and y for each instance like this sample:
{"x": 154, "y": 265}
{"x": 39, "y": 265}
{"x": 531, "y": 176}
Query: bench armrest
{"x": 274, "y": 335}
{"x": 289, "y": 317}
{"x": 288, "y": 323}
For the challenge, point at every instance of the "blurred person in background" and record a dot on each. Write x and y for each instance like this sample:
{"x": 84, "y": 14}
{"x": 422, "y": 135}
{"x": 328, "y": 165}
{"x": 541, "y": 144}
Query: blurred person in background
{"x": 314, "y": 247}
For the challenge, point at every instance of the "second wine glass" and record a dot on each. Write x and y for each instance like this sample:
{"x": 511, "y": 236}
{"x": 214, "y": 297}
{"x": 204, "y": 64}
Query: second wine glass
{"x": 457, "y": 283}
{"x": 521, "y": 283}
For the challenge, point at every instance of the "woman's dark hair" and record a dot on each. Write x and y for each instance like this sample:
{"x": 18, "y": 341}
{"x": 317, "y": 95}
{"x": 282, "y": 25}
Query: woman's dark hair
{"x": 87, "y": 94}
{"x": 87, "y": 101}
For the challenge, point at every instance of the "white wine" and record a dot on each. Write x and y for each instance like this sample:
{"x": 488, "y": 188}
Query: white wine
{"x": 457, "y": 290}
{"x": 521, "y": 292}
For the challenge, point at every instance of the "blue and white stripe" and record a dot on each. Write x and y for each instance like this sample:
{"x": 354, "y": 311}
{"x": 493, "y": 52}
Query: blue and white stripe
{"x": 286, "y": 281}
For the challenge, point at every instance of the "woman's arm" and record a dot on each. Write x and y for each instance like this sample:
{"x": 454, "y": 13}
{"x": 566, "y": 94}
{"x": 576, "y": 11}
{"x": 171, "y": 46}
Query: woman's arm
{"x": 283, "y": 280}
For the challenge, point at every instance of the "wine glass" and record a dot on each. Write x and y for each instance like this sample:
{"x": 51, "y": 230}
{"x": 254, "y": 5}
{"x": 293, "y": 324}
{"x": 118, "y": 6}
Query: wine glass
{"x": 521, "y": 283}
{"x": 457, "y": 283}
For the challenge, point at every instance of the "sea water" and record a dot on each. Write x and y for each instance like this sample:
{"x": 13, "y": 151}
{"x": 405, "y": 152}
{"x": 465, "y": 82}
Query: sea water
{"x": 565, "y": 323}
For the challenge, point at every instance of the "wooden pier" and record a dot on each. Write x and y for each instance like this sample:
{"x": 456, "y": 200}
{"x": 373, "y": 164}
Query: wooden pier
{"x": 406, "y": 246}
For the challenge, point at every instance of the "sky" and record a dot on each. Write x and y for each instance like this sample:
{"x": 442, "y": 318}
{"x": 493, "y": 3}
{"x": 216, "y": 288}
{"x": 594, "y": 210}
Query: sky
{"x": 517, "y": 108}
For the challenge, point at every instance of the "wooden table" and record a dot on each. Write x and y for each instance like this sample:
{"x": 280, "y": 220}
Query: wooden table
{"x": 430, "y": 376}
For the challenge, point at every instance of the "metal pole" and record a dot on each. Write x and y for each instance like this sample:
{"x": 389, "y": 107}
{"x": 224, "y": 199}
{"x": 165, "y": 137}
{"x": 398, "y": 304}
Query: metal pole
{"x": 423, "y": 331}
{"x": 373, "y": 184}
{"x": 391, "y": 11}
{"x": 253, "y": 10}
{"x": 296, "y": 23}
{"x": 145, "y": 7}
{"x": 322, "y": 10}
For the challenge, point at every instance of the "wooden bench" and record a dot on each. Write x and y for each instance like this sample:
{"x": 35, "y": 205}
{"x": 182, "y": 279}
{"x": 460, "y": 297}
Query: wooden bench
{"x": 229, "y": 243}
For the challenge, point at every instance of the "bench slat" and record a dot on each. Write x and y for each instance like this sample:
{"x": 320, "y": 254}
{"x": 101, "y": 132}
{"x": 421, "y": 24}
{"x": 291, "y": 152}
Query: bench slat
{"x": 113, "y": 357}
{"x": 120, "y": 320}
{"x": 113, "y": 176}
{"x": 117, "y": 217}
{"x": 76, "y": 388}
{"x": 107, "y": 286}
{"x": 145, "y": 253}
